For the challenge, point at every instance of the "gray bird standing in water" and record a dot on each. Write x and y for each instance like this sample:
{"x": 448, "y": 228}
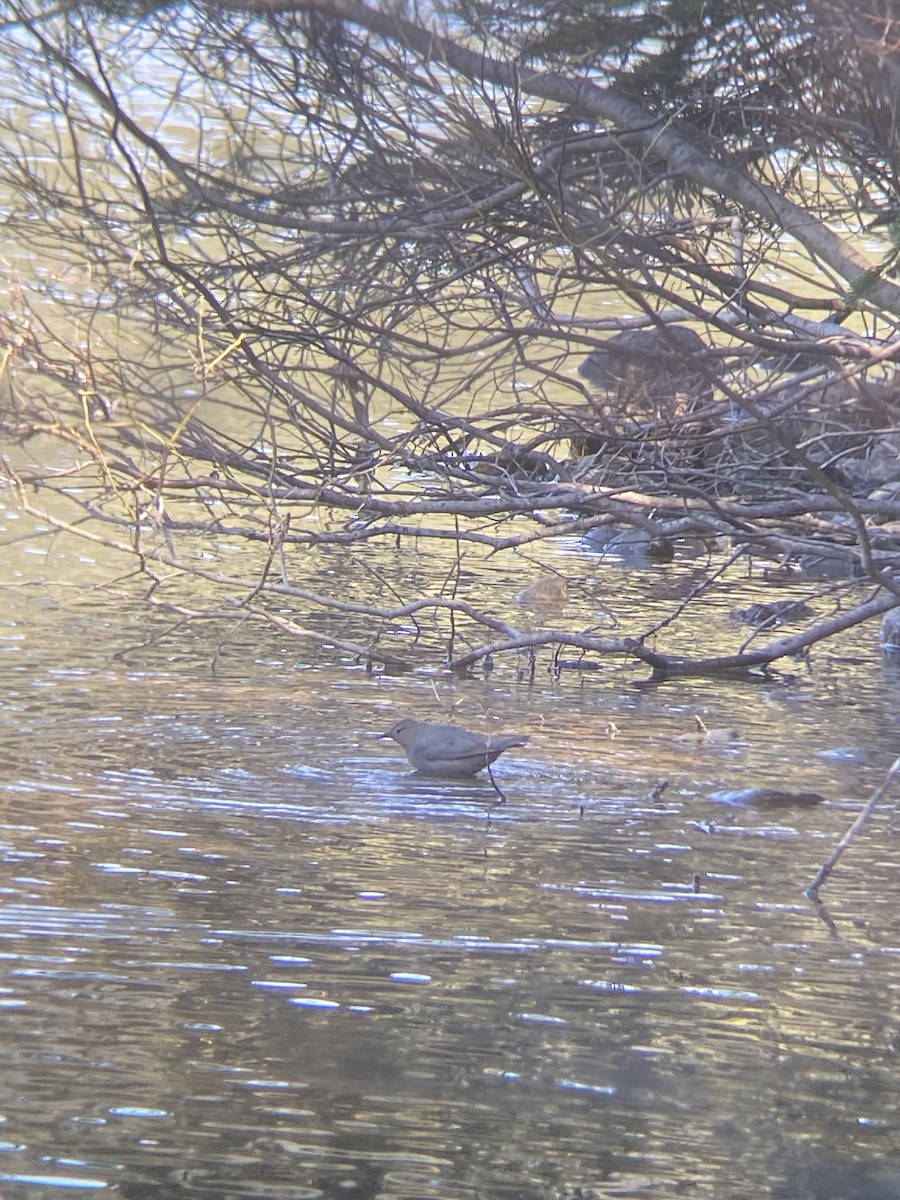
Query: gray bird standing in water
{"x": 447, "y": 750}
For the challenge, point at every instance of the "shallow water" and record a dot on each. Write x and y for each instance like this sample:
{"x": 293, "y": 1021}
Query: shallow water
{"x": 246, "y": 952}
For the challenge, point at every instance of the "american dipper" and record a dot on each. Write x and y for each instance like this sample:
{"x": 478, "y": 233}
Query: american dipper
{"x": 447, "y": 750}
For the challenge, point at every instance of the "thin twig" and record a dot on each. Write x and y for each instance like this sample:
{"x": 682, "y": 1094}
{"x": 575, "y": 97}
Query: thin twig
{"x": 812, "y": 892}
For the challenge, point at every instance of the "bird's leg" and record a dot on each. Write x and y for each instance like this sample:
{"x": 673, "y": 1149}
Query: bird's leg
{"x": 495, "y": 785}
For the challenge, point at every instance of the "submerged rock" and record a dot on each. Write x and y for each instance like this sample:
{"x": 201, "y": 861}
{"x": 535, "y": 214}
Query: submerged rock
{"x": 703, "y": 736}
{"x": 776, "y": 612}
{"x": 769, "y": 797}
{"x": 548, "y": 590}
{"x": 633, "y": 546}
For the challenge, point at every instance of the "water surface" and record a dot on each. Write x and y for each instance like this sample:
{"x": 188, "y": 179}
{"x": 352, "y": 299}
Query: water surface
{"x": 246, "y": 952}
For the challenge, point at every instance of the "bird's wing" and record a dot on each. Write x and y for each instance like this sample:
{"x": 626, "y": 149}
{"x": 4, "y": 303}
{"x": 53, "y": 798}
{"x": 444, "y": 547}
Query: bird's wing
{"x": 455, "y": 743}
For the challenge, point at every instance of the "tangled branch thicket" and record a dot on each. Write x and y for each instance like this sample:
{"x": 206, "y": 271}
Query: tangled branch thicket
{"x": 280, "y": 258}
